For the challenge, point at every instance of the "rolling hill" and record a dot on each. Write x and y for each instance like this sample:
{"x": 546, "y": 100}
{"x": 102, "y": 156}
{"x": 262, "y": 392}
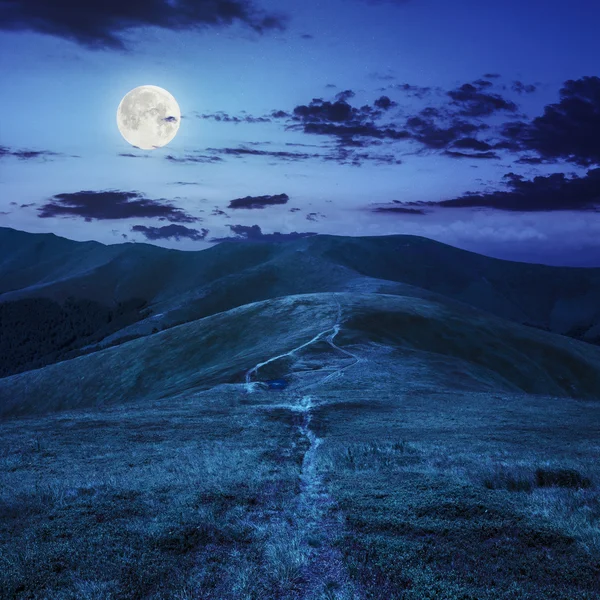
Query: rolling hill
{"x": 426, "y": 442}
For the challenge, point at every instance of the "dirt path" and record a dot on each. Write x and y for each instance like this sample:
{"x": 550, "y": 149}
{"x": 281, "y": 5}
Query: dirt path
{"x": 320, "y": 522}
{"x": 316, "y": 522}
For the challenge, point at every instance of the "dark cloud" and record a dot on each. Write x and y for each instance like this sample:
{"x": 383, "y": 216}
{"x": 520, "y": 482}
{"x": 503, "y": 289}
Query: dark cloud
{"x": 390, "y": 208}
{"x": 130, "y": 155}
{"x": 279, "y": 114}
{"x": 491, "y": 75}
{"x": 185, "y": 183}
{"x": 223, "y": 117}
{"x": 101, "y": 23}
{"x": 347, "y": 132}
{"x": 345, "y": 95}
{"x": 470, "y": 143}
{"x": 258, "y": 201}
{"x": 111, "y": 204}
{"x": 475, "y": 103}
{"x": 523, "y": 88}
{"x": 343, "y": 121}
{"x": 189, "y": 158}
{"x": 433, "y": 136}
{"x": 217, "y": 212}
{"x": 347, "y": 156}
{"x": 569, "y": 129}
{"x": 330, "y": 86}
{"x": 268, "y": 153}
{"x": 170, "y": 231}
{"x": 415, "y": 91}
{"x": 27, "y": 154}
{"x": 382, "y": 76}
{"x": 385, "y": 103}
{"x": 254, "y": 233}
{"x": 483, "y": 155}
{"x": 542, "y": 193}
{"x": 307, "y": 36}
{"x": 483, "y": 84}
{"x": 531, "y": 160}
{"x": 27, "y": 205}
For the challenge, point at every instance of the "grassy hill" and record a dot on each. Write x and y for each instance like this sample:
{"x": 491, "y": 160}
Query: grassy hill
{"x": 460, "y": 349}
{"x": 428, "y": 444}
{"x": 174, "y": 287}
{"x": 422, "y": 449}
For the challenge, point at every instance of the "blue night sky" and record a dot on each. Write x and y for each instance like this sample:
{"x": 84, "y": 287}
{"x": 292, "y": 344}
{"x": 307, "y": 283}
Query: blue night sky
{"x": 473, "y": 123}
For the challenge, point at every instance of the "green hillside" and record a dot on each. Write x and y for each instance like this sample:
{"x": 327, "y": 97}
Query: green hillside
{"x": 461, "y": 349}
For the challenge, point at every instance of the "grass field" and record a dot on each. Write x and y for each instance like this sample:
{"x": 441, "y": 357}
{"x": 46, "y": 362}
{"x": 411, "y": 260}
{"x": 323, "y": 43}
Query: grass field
{"x": 366, "y": 478}
{"x": 427, "y": 496}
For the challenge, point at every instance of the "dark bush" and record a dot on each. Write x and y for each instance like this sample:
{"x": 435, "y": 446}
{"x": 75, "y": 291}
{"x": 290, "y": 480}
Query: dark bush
{"x": 566, "y": 478}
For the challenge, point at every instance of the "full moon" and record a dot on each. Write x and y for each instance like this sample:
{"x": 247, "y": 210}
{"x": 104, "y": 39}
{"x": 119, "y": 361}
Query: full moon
{"x": 148, "y": 117}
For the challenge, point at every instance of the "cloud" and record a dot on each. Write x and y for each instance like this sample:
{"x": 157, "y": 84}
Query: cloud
{"x": 101, "y": 23}
{"x": 254, "y": 233}
{"x": 170, "y": 231}
{"x": 111, "y": 204}
{"x": 483, "y": 155}
{"x": 223, "y": 117}
{"x": 414, "y": 91}
{"x": 483, "y": 83}
{"x": 433, "y": 136}
{"x": 523, "y": 88}
{"x": 189, "y": 158}
{"x": 532, "y": 160}
{"x": 130, "y": 155}
{"x": 569, "y": 129}
{"x": 258, "y": 201}
{"x": 475, "y": 103}
{"x": 394, "y": 209}
{"x": 283, "y": 155}
{"x": 345, "y": 95}
{"x": 217, "y": 212}
{"x": 385, "y": 103}
{"x": 542, "y": 193}
{"x": 470, "y": 143}
{"x": 343, "y": 121}
{"x": 28, "y": 154}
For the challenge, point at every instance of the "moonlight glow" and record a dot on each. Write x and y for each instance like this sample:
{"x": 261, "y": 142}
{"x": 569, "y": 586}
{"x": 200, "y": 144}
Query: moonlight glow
{"x": 148, "y": 117}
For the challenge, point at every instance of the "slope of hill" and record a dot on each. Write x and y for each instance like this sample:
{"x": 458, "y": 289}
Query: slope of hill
{"x": 170, "y": 287}
{"x": 438, "y": 344}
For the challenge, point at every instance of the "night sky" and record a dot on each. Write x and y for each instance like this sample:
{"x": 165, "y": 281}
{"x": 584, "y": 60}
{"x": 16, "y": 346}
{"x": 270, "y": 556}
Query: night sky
{"x": 473, "y": 123}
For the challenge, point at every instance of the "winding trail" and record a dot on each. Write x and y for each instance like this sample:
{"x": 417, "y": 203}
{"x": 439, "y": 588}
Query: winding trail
{"x": 317, "y": 521}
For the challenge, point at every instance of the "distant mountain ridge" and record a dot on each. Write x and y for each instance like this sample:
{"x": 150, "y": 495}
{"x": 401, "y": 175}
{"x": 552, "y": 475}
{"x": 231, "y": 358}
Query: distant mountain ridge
{"x": 160, "y": 288}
